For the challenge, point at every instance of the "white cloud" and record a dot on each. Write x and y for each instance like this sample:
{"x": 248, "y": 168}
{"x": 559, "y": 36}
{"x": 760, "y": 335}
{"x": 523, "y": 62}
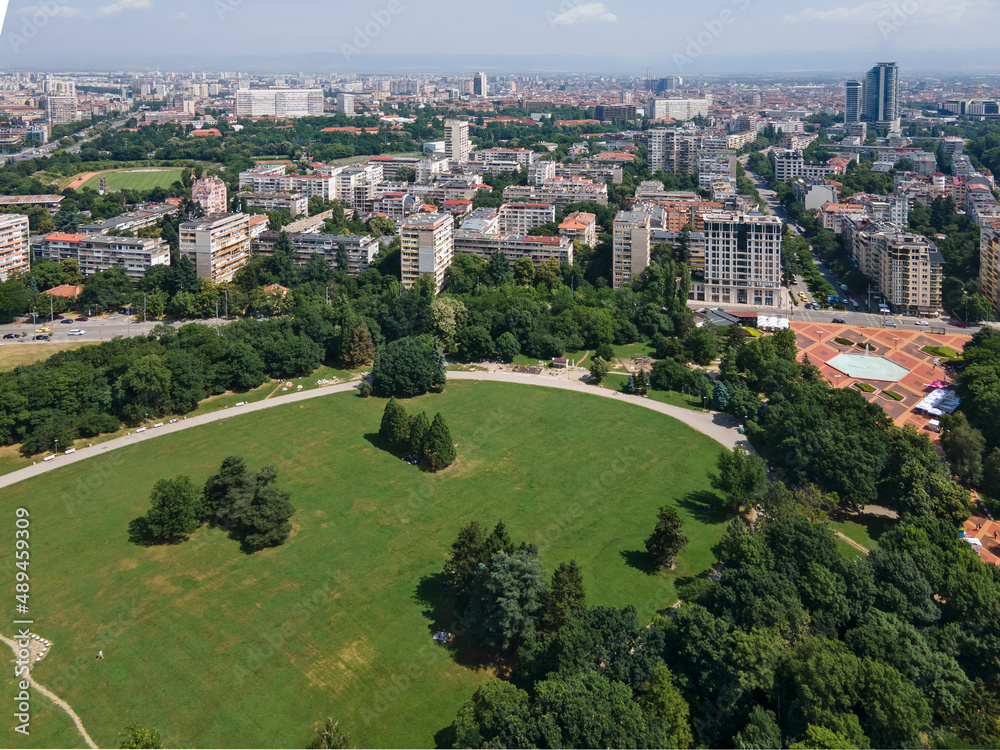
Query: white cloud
{"x": 586, "y": 13}
{"x": 939, "y": 10}
{"x": 119, "y": 5}
{"x": 53, "y": 11}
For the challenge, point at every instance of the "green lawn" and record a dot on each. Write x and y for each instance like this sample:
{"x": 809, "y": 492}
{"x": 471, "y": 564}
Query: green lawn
{"x": 217, "y": 649}
{"x": 631, "y": 351}
{"x": 615, "y": 381}
{"x": 945, "y": 352}
{"x": 162, "y": 177}
{"x": 863, "y": 529}
{"x": 15, "y": 355}
{"x": 50, "y": 726}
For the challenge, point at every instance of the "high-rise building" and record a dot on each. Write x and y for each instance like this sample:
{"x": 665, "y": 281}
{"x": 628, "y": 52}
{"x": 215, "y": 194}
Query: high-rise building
{"x": 279, "y": 103}
{"x": 456, "y": 140}
{"x": 852, "y": 102}
{"x": 480, "y": 85}
{"x": 97, "y": 253}
{"x": 677, "y": 109}
{"x": 13, "y": 245}
{"x": 218, "y": 246}
{"x": 345, "y": 104}
{"x": 989, "y": 273}
{"x": 881, "y": 93}
{"x": 673, "y": 151}
{"x": 211, "y": 193}
{"x": 742, "y": 259}
{"x": 427, "y": 246}
{"x": 61, "y": 109}
{"x": 630, "y": 248}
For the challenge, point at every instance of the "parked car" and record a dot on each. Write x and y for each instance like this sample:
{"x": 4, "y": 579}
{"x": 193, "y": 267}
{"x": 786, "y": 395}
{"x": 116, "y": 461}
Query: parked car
{"x": 890, "y": 324}
{"x": 839, "y": 321}
{"x": 12, "y": 336}
{"x": 82, "y": 320}
{"x": 67, "y": 320}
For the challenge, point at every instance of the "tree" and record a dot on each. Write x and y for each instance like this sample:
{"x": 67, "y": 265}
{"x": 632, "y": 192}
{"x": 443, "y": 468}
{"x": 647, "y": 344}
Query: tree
{"x": 507, "y": 347}
{"x": 641, "y": 383}
{"x": 420, "y": 427}
{"x": 330, "y": 736}
{"x": 498, "y": 269}
{"x": 267, "y": 520}
{"x": 702, "y": 346}
{"x": 282, "y": 263}
{"x": 408, "y": 367}
{"x": 380, "y": 226}
{"x": 524, "y": 272}
{"x": 565, "y": 599}
{"x": 964, "y": 446}
{"x": 513, "y": 600}
{"x": 740, "y": 479}
{"x": 227, "y": 494}
{"x": 394, "y": 433}
{"x": 175, "y": 510}
{"x": 438, "y": 450}
{"x": 360, "y": 351}
{"x": 661, "y": 700}
{"x": 599, "y": 370}
{"x": 476, "y": 344}
{"x": 498, "y": 715}
{"x": 138, "y": 736}
{"x": 991, "y": 475}
{"x": 666, "y": 540}
{"x": 147, "y": 384}
{"x": 14, "y": 301}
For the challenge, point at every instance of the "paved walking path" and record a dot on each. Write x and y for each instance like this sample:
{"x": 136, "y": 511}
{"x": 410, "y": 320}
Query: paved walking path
{"x": 719, "y": 427}
{"x": 53, "y": 697}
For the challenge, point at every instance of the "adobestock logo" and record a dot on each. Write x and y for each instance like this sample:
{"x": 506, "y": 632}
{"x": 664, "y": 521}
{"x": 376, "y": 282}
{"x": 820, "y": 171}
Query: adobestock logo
{"x": 3, "y": 13}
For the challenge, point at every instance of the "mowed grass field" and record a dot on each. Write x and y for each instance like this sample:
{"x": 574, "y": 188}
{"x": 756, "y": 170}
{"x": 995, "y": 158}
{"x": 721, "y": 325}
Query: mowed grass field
{"x": 136, "y": 179}
{"x": 15, "y": 355}
{"x": 219, "y": 649}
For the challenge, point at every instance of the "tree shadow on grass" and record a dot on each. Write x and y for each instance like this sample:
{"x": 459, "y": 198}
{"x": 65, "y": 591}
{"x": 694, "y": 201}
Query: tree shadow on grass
{"x": 704, "y": 507}
{"x": 439, "y": 610}
{"x": 445, "y": 738}
{"x": 372, "y": 437}
{"x": 875, "y": 525}
{"x": 640, "y": 560}
{"x": 138, "y": 533}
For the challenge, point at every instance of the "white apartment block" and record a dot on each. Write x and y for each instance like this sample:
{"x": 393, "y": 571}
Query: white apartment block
{"x": 521, "y": 156}
{"x": 677, "y": 109}
{"x": 14, "y": 248}
{"x": 61, "y": 110}
{"x": 630, "y": 248}
{"x": 430, "y": 169}
{"x": 521, "y": 218}
{"x": 789, "y": 164}
{"x": 279, "y": 103}
{"x": 515, "y": 246}
{"x": 540, "y": 171}
{"x": 345, "y": 104}
{"x": 295, "y": 203}
{"x": 742, "y": 259}
{"x": 427, "y": 247}
{"x": 559, "y": 191}
{"x": 218, "y": 246}
{"x": 96, "y": 253}
{"x": 673, "y": 151}
{"x": 456, "y": 141}
{"x": 361, "y": 249}
{"x": 274, "y": 180}
{"x": 211, "y": 193}
{"x": 714, "y": 165}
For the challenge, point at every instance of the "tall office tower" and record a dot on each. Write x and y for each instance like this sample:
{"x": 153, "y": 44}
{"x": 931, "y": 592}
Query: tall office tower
{"x": 852, "y": 102}
{"x": 456, "y": 140}
{"x": 881, "y": 93}
{"x": 480, "y": 86}
{"x": 743, "y": 258}
{"x": 427, "y": 246}
{"x": 345, "y": 104}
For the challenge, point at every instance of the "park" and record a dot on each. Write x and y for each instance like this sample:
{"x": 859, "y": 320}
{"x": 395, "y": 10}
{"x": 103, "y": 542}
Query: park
{"x": 219, "y": 648}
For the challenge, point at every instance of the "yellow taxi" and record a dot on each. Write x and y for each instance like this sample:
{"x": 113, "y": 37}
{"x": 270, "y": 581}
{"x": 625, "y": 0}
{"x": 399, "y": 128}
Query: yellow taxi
{"x": 43, "y": 330}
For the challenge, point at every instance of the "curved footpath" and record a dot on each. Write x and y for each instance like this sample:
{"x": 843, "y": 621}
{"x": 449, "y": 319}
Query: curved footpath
{"x": 719, "y": 427}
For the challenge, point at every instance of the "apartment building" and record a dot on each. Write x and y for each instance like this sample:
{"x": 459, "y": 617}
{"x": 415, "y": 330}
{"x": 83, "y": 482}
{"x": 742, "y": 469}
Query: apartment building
{"x": 281, "y": 103}
{"x": 392, "y": 164}
{"x": 673, "y": 151}
{"x": 559, "y": 191}
{"x": 456, "y": 141}
{"x": 520, "y": 156}
{"x": 989, "y": 264}
{"x": 272, "y": 180}
{"x": 540, "y": 171}
{"x": 742, "y": 259}
{"x": 789, "y": 164}
{"x": 396, "y": 205}
{"x": 515, "y": 246}
{"x": 675, "y": 214}
{"x": 218, "y": 246}
{"x": 714, "y": 164}
{"x": 428, "y": 247}
{"x": 521, "y": 218}
{"x": 345, "y": 104}
{"x": 589, "y": 169}
{"x": 361, "y": 249}
{"x": 211, "y": 193}
{"x": 831, "y": 215}
{"x": 61, "y": 110}
{"x": 295, "y": 203}
{"x": 95, "y": 253}
{"x": 907, "y": 269}
{"x": 677, "y": 109}
{"x": 630, "y": 246}
{"x": 356, "y": 186}
{"x": 14, "y": 245}
{"x": 616, "y": 113}
{"x": 131, "y": 222}
{"x": 580, "y": 226}
{"x": 815, "y": 192}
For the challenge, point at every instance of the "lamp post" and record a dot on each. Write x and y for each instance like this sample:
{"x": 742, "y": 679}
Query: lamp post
{"x": 57, "y": 447}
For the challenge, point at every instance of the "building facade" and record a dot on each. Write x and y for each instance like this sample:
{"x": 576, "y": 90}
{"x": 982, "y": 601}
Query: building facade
{"x": 295, "y": 203}
{"x": 95, "y": 253}
{"x": 742, "y": 259}
{"x": 427, "y": 247}
{"x": 360, "y": 249}
{"x": 630, "y": 247}
{"x": 521, "y": 218}
{"x": 456, "y": 140}
{"x": 218, "y": 246}
{"x": 852, "y": 102}
{"x": 580, "y": 226}
{"x": 14, "y": 245}
{"x": 881, "y": 93}
{"x": 211, "y": 193}
{"x": 281, "y": 103}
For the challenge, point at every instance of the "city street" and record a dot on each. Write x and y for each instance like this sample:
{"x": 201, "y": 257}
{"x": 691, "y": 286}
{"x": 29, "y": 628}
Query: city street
{"x": 95, "y": 329}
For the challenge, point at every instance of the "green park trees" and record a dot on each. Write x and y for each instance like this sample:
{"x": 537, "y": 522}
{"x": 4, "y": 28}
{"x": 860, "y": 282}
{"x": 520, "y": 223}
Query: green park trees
{"x": 250, "y": 506}
{"x": 408, "y": 367}
{"x": 427, "y": 443}
{"x": 667, "y": 538}
{"x": 741, "y": 477}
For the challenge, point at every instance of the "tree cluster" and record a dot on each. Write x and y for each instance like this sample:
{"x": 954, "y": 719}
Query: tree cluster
{"x": 417, "y": 439}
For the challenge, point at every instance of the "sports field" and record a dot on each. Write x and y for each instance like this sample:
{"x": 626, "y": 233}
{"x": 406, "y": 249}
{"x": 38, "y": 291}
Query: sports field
{"x": 218, "y": 649}
{"x": 143, "y": 179}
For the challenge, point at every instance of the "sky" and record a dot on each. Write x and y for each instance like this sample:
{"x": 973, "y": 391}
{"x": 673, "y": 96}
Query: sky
{"x": 671, "y": 36}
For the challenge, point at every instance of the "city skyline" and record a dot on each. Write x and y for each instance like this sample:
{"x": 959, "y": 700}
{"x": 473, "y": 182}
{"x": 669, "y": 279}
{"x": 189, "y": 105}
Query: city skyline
{"x": 570, "y": 36}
